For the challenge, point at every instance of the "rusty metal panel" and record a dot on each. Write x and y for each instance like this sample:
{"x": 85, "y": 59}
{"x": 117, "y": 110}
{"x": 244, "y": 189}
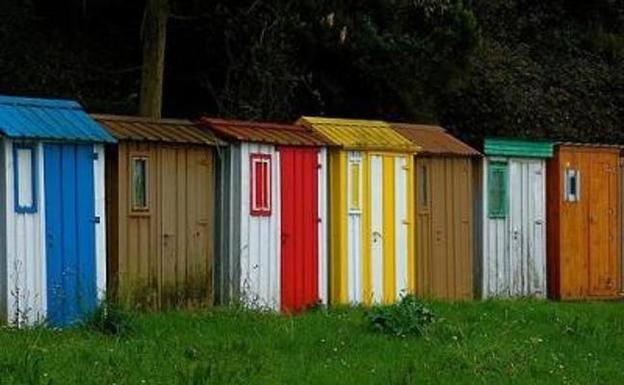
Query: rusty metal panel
{"x": 267, "y": 133}
{"x": 162, "y": 256}
{"x": 444, "y": 198}
{"x": 585, "y": 229}
{"x": 350, "y": 134}
{"x": 156, "y": 130}
{"x": 434, "y": 140}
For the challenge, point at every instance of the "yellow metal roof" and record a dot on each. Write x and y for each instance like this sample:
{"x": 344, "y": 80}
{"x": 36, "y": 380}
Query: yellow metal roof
{"x": 352, "y": 134}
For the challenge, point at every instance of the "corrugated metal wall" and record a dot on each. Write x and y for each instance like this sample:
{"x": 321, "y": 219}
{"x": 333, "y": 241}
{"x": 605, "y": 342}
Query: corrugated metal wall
{"x": 584, "y": 235}
{"x": 259, "y": 235}
{"x": 162, "y": 257}
{"x": 370, "y": 248}
{"x": 514, "y": 247}
{"x": 444, "y": 212}
{"x": 249, "y": 262}
{"x": 24, "y": 281}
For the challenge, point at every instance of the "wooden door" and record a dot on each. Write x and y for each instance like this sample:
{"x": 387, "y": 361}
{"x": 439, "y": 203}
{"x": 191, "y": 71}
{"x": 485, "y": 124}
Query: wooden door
{"x": 527, "y": 264}
{"x": 299, "y": 228}
{"x": 603, "y": 218}
{"x": 70, "y": 232}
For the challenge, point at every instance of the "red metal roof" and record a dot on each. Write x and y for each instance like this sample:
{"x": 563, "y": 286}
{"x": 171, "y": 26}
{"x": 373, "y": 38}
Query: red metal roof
{"x": 155, "y": 130}
{"x": 272, "y": 133}
{"x": 434, "y": 140}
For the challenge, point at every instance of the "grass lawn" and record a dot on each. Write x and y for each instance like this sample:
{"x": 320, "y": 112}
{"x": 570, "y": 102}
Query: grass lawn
{"x": 497, "y": 342}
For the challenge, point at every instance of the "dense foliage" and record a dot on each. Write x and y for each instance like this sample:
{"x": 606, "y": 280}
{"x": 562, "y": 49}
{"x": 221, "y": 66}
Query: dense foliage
{"x": 409, "y": 317}
{"x": 500, "y": 67}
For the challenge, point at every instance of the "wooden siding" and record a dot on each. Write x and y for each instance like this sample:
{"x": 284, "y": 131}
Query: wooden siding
{"x": 514, "y": 246}
{"x": 162, "y": 257}
{"x": 584, "y": 236}
{"x": 444, "y": 228}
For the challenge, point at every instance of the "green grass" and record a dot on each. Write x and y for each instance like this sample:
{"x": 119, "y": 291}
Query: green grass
{"x": 516, "y": 342}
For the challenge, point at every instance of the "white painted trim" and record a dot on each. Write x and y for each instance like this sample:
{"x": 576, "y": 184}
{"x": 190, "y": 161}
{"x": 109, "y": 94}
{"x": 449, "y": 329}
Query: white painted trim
{"x": 42, "y": 226}
{"x": 376, "y": 209}
{"x": 400, "y": 225}
{"x": 322, "y": 226}
{"x": 100, "y": 228}
{"x": 354, "y": 234}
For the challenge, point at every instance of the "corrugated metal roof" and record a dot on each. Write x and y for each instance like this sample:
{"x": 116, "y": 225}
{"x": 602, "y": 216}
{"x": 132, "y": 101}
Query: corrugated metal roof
{"x": 590, "y": 145}
{"x": 360, "y": 134}
{"x": 272, "y": 133}
{"x": 434, "y": 140}
{"x": 156, "y": 130}
{"x": 518, "y": 148}
{"x": 51, "y": 119}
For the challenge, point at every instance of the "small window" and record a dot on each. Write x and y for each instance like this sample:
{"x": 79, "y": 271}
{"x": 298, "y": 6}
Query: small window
{"x": 572, "y": 185}
{"x": 355, "y": 175}
{"x": 139, "y": 173}
{"x": 260, "y": 185}
{"x": 497, "y": 190}
{"x": 423, "y": 186}
{"x": 25, "y": 167}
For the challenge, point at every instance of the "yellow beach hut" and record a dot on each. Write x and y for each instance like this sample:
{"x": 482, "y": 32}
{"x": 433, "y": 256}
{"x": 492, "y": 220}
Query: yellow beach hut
{"x": 371, "y": 212}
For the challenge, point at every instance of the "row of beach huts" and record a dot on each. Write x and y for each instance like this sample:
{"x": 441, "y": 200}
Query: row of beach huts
{"x": 167, "y": 213}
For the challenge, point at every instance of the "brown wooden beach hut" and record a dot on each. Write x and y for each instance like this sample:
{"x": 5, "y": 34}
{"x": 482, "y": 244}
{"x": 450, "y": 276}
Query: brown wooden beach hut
{"x": 444, "y": 212}
{"x": 160, "y": 193}
{"x": 584, "y": 229}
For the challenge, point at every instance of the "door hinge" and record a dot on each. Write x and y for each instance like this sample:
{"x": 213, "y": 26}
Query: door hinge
{"x": 96, "y": 156}
{"x": 96, "y": 219}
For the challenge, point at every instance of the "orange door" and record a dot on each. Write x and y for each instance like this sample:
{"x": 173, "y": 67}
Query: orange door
{"x": 603, "y": 218}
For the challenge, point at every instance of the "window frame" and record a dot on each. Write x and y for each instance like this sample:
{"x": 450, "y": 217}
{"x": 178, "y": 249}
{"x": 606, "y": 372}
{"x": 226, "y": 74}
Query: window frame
{"x": 503, "y": 211}
{"x": 33, "y": 207}
{"x": 254, "y": 209}
{"x": 568, "y": 174}
{"x": 134, "y": 208}
{"x": 355, "y": 162}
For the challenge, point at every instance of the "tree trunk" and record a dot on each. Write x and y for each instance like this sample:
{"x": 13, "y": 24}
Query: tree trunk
{"x": 154, "y": 39}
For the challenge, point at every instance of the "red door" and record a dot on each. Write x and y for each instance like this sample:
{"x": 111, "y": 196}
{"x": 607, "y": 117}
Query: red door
{"x": 299, "y": 200}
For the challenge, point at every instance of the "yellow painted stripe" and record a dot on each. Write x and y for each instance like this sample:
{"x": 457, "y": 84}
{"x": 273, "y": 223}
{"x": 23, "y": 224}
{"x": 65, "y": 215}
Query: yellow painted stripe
{"x": 338, "y": 231}
{"x": 367, "y": 279}
{"x": 389, "y": 275}
{"x": 411, "y": 226}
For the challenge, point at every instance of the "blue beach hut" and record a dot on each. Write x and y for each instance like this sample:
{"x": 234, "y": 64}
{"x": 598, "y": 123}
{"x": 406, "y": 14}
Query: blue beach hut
{"x": 52, "y": 214}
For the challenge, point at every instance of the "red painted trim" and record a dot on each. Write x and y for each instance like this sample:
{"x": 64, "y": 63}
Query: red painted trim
{"x": 260, "y": 185}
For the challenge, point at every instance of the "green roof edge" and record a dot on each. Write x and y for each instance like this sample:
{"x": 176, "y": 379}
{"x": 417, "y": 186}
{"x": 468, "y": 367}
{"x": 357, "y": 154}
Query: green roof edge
{"x": 519, "y": 148}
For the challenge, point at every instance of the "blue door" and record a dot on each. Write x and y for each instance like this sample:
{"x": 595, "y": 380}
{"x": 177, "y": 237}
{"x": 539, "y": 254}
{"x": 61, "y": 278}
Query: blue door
{"x": 70, "y": 232}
